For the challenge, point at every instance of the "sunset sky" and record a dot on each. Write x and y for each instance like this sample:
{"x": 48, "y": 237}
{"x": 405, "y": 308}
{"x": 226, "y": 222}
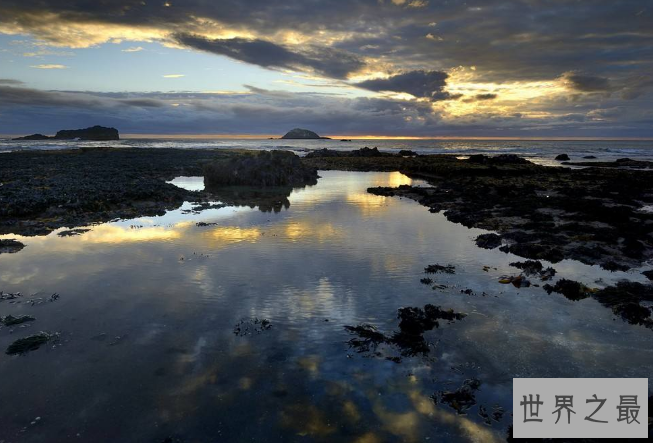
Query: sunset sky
{"x": 530, "y": 68}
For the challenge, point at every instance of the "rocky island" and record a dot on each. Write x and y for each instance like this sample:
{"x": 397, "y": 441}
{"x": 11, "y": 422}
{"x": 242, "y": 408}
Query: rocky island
{"x": 302, "y": 134}
{"x": 94, "y": 133}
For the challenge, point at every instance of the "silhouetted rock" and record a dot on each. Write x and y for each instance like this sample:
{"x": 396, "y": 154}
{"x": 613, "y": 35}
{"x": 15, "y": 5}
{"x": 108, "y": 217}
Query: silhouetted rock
{"x": 266, "y": 168}
{"x": 562, "y": 157}
{"x": 95, "y": 133}
{"x": 488, "y": 241}
{"x": 302, "y": 134}
{"x": 502, "y": 159}
{"x": 33, "y": 137}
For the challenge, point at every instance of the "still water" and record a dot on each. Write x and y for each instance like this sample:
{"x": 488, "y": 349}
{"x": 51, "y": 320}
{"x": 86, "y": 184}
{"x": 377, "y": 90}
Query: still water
{"x": 147, "y": 311}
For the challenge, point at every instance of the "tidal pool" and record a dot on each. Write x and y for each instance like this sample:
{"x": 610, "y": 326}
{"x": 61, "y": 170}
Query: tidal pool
{"x": 159, "y": 337}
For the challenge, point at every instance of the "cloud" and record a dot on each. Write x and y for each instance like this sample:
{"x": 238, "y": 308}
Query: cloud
{"x": 587, "y": 83}
{"x": 323, "y": 60}
{"x": 480, "y": 97}
{"x": 49, "y": 66}
{"x": 174, "y": 75}
{"x": 421, "y": 84}
{"x": 10, "y": 82}
{"x": 134, "y": 49}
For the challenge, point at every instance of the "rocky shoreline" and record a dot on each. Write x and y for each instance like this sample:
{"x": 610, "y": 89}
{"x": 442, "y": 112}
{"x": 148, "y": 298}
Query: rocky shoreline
{"x": 41, "y": 191}
{"x": 593, "y": 215}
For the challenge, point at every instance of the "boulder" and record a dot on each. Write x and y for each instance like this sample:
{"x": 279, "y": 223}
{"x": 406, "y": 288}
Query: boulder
{"x": 95, "y": 133}
{"x": 562, "y": 158}
{"x": 266, "y": 168}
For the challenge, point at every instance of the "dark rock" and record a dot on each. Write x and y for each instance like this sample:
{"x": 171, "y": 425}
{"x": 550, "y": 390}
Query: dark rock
{"x": 488, "y": 241}
{"x": 345, "y": 140}
{"x": 266, "y": 168}
{"x": 33, "y": 137}
{"x": 10, "y": 246}
{"x": 95, "y": 133}
{"x": 625, "y": 300}
{"x": 572, "y": 290}
{"x": 506, "y": 159}
{"x": 414, "y": 322}
{"x": 301, "y": 134}
{"x": 10, "y": 320}
{"x": 407, "y": 153}
{"x": 532, "y": 267}
{"x": 436, "y": 268}
{"x": 363, "y": 152}
{"x": 252, "y": 326}
{"x": 426, "y": 281}
{"x": 562, "y": 157}
{"x": 462, "y": 398}
{"x": 31, "y": 343}
{"x": 589, "y": 157}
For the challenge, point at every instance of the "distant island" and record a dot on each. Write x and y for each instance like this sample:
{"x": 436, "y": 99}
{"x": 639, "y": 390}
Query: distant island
{"x": 303, "y": 134}
{"x": 95, "y": 133}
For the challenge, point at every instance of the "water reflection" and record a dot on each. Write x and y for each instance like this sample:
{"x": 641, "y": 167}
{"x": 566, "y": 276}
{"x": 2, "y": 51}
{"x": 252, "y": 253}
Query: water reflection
{"x": 173, "y": 291}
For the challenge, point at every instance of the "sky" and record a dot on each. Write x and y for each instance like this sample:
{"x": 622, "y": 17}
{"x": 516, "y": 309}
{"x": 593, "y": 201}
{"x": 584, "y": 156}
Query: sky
{"x": 412, "y": 68}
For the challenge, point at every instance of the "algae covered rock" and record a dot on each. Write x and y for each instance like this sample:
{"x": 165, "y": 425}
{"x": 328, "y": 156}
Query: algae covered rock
{"x": 266, "y": 168}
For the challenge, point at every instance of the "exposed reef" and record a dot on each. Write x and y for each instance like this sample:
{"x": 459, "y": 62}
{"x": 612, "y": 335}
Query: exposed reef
{"x": 592, "y": 215}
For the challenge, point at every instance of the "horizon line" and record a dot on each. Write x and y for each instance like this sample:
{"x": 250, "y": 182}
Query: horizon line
{"x": 128, "y": 136}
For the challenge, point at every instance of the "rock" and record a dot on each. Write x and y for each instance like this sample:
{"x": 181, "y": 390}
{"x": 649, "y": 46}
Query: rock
{"x": 624, "y": 299}
{"x": 302, "y": 134}
{"x": 488, "y": 241}
{"x": 461, "y": 399}
{"x": 572, "y": 290}
{"x": 10, "y": 246}
{"x": 251, "y": 326}
{"x": 414, "y": 322}
{"x": 363, "y": 152}
{"x": 562, "y": 157}
{"x": 33, "y": 137}
{"x": 345, "y": 140}
{"x": 407, "y": 153}
{"x": 31, "y": 343}
{"x": 434, "y": 269}
{"x": 532, "y": 267}
{"x": 497, "y": 159}
{"x": 10, "y": 320}
{"x": 589, "y": 157}
{"x": 266, "y": 168}
{"x": 95, "y": 133}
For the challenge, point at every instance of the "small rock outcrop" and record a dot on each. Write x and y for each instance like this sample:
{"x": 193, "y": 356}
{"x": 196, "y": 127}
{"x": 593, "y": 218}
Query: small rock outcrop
{"x": 562, "y": 158}
{"x": 33, "y": 137}
{"x": 302, "y": 134}
{"x": 266, "y": 168}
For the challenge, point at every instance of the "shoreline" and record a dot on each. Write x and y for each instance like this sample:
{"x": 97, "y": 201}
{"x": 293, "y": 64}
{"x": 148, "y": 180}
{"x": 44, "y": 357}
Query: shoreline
{"x": 538, "y": 212}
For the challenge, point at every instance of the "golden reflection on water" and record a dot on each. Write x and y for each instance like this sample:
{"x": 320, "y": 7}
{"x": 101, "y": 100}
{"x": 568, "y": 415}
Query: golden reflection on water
{"x": 232, "y": 234}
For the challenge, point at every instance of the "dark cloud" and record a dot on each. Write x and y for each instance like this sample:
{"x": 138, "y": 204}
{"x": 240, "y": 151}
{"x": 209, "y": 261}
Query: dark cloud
{"x": 480, "y": 97}
{"x": 587, "y": 83}
{"x": 326, "y": 61}
{"x": 421, "y": 84}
